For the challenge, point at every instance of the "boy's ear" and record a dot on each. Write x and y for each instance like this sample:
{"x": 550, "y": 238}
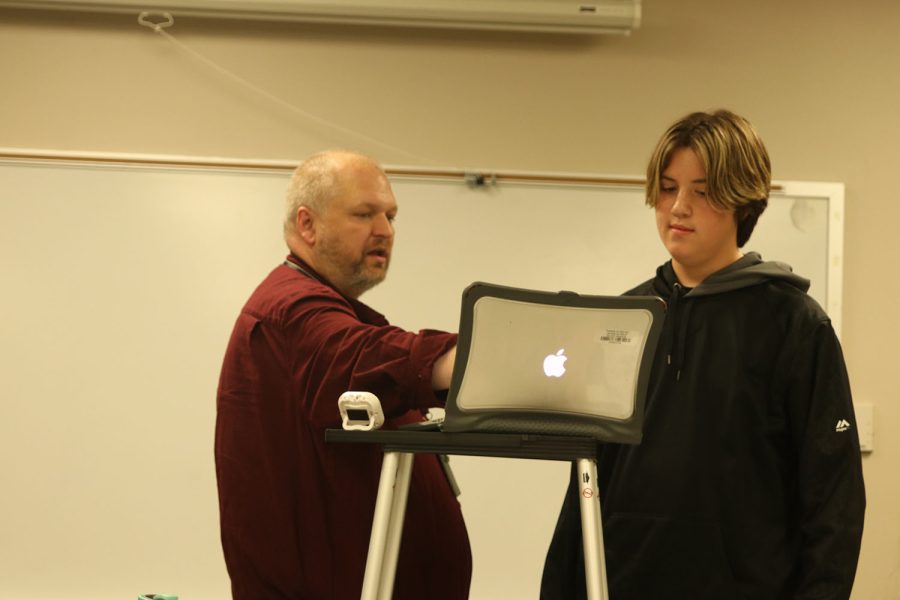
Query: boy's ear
{"x": 306, "y": 225}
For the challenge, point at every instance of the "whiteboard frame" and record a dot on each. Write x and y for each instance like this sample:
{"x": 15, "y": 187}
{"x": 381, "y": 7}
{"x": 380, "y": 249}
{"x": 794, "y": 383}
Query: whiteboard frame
{"x": 832, "y": 191}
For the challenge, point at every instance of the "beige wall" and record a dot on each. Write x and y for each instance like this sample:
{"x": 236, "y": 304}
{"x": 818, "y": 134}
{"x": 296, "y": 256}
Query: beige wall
{"x": 819, "y": 79}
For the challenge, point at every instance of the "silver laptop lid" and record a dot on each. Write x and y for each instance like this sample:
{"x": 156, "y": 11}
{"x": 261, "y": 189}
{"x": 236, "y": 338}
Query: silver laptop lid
{"x": 553, "y": 363}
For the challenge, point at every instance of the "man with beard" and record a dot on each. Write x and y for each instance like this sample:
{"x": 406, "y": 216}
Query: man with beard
{"x": 296, "y": 512}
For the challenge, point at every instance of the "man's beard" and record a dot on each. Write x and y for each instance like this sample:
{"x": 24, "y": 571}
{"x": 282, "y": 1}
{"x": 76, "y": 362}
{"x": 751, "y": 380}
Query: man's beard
{"x": 355, "y": 278}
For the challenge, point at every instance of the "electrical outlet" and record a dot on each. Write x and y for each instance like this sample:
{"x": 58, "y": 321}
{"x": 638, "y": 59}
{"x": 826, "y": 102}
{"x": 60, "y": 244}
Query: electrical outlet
{"x": 865, "y": 426}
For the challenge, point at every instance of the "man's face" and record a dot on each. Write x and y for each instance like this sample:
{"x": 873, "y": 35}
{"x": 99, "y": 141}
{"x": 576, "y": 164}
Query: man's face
{"x": 355, "y": 235}
{"x": 700, "y": 237}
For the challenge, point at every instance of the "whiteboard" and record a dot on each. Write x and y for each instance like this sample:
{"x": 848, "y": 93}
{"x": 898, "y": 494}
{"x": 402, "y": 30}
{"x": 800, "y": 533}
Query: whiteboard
{"x": 120, "y": 288}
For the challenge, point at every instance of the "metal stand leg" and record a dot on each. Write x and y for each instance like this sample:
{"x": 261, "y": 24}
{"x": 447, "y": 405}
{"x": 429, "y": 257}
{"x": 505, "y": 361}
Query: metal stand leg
{"x": 592, "y": 530}
{"x": 387, "y": 526}
{"x": 398, "y": 514}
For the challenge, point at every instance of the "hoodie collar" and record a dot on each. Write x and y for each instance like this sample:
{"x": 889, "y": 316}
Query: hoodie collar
{"x": 747, "y": 271}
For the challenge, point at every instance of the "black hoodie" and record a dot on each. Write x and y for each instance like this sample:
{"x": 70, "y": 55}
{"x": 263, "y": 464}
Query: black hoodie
{"x": 748, "y": 482}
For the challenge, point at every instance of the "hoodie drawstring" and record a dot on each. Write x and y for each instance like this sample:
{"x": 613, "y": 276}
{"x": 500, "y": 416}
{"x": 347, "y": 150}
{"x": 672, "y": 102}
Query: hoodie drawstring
{"x": 676, "y": 329}
{"x": 681, "y": 343}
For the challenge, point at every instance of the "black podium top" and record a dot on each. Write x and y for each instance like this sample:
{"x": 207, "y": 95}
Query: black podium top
{"x": 506, "y": 445}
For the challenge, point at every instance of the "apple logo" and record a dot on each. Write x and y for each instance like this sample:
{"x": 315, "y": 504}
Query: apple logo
{"x": 554, "y": 364}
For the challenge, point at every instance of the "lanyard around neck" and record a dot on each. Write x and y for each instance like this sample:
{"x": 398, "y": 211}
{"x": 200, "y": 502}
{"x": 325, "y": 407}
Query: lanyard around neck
{"x": 300, "y": 269}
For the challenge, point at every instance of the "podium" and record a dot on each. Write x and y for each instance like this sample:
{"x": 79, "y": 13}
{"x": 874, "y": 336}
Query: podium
{"x": 396, "y": 470}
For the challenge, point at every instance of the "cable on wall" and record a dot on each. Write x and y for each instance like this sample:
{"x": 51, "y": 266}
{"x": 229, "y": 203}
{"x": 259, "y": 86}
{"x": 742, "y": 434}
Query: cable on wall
{"x": 160, "y": 21}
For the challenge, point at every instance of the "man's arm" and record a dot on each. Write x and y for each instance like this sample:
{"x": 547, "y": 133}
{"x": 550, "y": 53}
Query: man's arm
{"x": 443, "y": 370}
{"x": 336, "y": 352}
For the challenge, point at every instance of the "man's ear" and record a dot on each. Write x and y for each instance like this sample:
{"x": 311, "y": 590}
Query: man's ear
{"x": 306, "y": 225}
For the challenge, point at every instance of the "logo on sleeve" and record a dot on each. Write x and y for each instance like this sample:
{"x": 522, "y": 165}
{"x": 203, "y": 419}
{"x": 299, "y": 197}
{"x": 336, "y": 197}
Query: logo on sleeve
{"x": 842, "y": 425}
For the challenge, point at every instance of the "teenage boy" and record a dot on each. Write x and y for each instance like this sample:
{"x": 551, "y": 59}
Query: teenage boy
{"x": 748, "y": 482}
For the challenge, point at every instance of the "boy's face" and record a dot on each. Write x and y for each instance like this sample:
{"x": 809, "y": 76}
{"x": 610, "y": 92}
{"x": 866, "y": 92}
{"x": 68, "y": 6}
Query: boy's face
{"x": 700, "y": 238}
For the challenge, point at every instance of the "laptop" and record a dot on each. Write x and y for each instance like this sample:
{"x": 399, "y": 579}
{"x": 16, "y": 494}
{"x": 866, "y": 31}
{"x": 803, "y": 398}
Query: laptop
{"x": 554, "y": 363}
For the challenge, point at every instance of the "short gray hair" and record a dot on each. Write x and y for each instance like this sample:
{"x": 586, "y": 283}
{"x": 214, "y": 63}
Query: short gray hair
{"x": 315, "y": 182}
{"x": 312, "y": 185}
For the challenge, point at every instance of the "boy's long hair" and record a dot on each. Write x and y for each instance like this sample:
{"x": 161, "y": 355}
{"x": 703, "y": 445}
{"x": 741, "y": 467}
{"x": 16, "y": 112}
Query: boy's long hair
{"x": 738, "y": 171}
